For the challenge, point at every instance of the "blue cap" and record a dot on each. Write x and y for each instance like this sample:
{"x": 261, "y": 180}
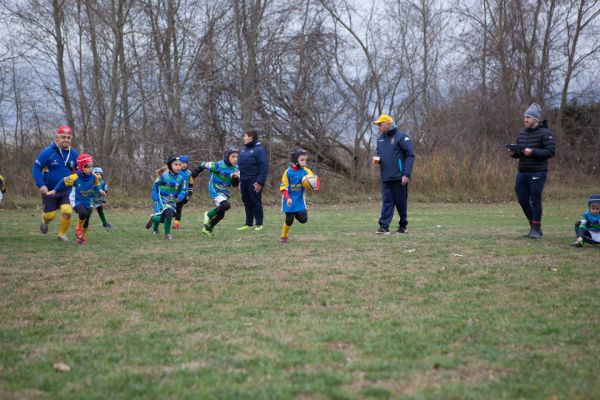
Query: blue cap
{"x": 594, "y": 199}
{"x": 184, "y": 159}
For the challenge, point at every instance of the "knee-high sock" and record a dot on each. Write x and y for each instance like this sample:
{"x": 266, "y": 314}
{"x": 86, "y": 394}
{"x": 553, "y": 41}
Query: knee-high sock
{"x": 167, "y": 226}
{"x": 49, "y": 216}
{"x": 156, "y": 220}
{"x": 101, "y": 214}
{"x": 64, "y": 225}
{"x": 285, "y": 230}
{"x": 80, "y": 222}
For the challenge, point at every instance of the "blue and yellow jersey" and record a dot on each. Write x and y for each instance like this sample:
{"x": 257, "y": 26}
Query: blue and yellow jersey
{"x": 186, "y": 174}
{"x": 99, "y": 200}
{"x": 87, "y": 187}
{"x": 52, "y": 165}
{"x": 292, "y": 182}
{"x": 167, "y": 190}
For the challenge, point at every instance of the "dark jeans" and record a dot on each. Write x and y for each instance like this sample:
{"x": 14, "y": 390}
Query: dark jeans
{"x": 393, "y": 194}
{"x": 529, "y": 187}
{"x": 252, "y": 203}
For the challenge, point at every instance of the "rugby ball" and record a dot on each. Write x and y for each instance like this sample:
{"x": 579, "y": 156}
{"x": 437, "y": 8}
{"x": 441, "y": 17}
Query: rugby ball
{"x": 311, "y": 182}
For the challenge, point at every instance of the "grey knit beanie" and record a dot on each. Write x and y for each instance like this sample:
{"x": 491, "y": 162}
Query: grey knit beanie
{"x": 534, "y": 111}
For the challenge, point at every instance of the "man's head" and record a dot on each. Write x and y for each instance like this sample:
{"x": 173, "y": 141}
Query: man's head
{"x": 594, "y": 204}
{"x": 250, "y": 135}
{"x": 385, "y": 123}
{"x": 64, "y": 136}
{"x": 532, "y": 116}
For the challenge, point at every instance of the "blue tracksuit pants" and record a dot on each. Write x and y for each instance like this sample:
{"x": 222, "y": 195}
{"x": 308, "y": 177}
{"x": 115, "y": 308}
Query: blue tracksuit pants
{"x": 529, "y": 187}
{"x": 252, "y": 203}
{"x": 393, "y": 194}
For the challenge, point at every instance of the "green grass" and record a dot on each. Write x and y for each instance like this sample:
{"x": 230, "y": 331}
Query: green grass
{"x": 462, "y": 307}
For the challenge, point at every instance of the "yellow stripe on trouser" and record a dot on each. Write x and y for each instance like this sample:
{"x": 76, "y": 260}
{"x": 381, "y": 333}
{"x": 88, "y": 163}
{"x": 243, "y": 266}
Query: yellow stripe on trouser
{"x": 65, "y": 222}
{"x": 285, "y": 230}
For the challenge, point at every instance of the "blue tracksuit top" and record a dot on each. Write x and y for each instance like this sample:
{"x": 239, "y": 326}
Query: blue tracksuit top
{"x": 52, "y": 165}
{"x": 253, "y": 163}
{"x": 396, "y": 152}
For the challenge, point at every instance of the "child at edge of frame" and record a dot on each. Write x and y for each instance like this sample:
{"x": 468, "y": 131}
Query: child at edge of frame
{"x": 587, "y": 228}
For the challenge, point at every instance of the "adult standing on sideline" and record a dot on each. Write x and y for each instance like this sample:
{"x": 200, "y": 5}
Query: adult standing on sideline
{"x": 535, "y": 145}
{"x": 254, "y": 167}
{"x": 54, "y": 163}
{"x": 395, "y": 157}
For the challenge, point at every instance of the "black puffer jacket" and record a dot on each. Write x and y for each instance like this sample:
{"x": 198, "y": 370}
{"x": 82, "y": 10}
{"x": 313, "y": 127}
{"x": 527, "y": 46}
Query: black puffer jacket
{"x": 541, "y": 142}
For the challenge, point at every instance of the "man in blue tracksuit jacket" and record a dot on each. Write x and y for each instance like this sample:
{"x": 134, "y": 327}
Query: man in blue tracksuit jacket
{"x": 395, "y": 158}
{"x": 254, "y": 167}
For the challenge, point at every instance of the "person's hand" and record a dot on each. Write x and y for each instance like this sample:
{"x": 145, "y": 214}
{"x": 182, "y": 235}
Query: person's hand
{"x": 257, "y": 187}
{"x": 50, "y": 193}
{"x": 187, "y": 198}
{"x": 236, "y": 173}
{"x": 102, "y": 193}
{"x": 405, "y": 180}
{"x": 527, "y": 152}
{"x": 511, "y": 152}
{"x": 289, "y": 202}
{"x": 44, "y": 190}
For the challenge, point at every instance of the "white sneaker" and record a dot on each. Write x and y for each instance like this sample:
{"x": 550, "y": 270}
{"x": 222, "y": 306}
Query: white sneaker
{"x": 62, "y": 238}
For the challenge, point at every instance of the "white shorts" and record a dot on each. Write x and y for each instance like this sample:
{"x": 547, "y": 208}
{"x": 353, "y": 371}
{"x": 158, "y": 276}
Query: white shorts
{"x": 219, "y": 199}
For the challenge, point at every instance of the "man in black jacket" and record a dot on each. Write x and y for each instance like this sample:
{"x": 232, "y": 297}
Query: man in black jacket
{"x": 535, "y": 146}
{"x": 254, "y": 167}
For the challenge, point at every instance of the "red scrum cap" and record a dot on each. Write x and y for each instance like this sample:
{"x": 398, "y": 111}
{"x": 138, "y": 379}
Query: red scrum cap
{"x": 64, "y": 129}
{"x": 83, "y": 160}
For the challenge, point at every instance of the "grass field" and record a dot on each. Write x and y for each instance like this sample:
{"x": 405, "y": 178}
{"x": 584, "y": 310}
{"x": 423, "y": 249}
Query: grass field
{"x": 462, "y": 307}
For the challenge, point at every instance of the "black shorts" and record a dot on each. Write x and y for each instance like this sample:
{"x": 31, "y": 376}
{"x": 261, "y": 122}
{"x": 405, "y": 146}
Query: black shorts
{"x": 53, "y": 203}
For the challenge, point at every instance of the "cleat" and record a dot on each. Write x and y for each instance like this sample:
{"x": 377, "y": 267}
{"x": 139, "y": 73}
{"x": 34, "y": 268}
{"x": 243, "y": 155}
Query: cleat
{"x": 401, "y": 230}
{"x": 149, "y": 223}
{"x": 283, "y": 240}
{"x": 62, "y": 238}
{"x": 244, "y": 228}
{"x": 382, "y": 231}
{"x": 208, "y": 233}
{"x": 169, "y": 237}
{"x": 206, "y": 220}
{"x": 44, "y": 228}
{"x": 258, "y": 228}
{"x": 154, "y": 232}
{"x": 107, "y": 226}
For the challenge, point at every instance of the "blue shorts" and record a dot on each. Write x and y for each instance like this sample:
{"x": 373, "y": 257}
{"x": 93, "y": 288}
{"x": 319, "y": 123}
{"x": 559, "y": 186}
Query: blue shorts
{"x": 53, "y": 203}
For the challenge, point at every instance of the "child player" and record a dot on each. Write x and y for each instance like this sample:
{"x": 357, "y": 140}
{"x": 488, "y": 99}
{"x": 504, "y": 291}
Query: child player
{"x": 87, "y": 187}
{"x": 293, "y": 202}
{"x": 223, "y": 175}
{"x": 2, "y": 187}
{"x": 98, "y": 202}
{"x": 167, "y": 190}
{"x": 588, "y": 228}
{"x": 186, "y": 174}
